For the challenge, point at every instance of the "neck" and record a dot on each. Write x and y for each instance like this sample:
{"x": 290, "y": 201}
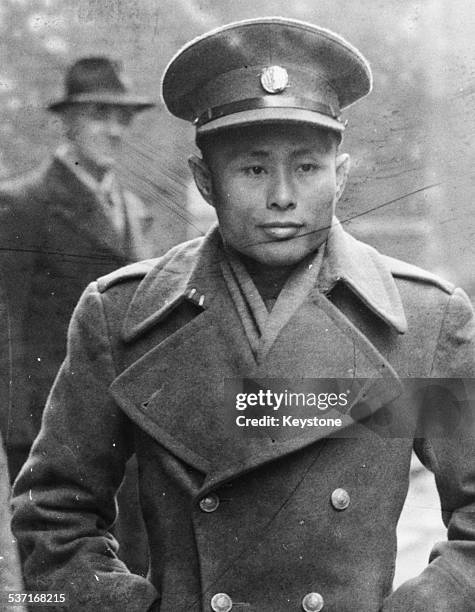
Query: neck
{"x": 269, "y": 280}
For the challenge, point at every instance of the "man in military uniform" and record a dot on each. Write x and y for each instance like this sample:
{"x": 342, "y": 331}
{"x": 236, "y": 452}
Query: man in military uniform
{"x": 272, "y": 520}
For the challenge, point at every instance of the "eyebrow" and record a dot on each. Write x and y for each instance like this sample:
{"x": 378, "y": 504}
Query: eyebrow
{"x": 307, "y": 152}
{"x": 260, "y": 154}
{"x": 264, "y": 153}
{"x": 257, "y": 153}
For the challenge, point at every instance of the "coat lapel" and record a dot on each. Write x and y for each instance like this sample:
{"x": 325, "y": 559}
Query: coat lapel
{"x": 318, "y": 346}
{"x": 72, "y": 201}
{"x": 176, "y": 391}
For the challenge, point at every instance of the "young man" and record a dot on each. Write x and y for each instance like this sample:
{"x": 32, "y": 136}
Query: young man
{"x": 272, "y": 518}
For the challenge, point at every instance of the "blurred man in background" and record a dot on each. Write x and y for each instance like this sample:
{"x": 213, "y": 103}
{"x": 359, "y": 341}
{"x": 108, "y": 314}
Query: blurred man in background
{"x": 61, "y": 226}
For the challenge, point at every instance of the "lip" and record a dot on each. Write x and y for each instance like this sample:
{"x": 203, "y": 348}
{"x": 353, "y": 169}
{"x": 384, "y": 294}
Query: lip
{"x": 281, "y": 230}
{"x": 272, "y": 224}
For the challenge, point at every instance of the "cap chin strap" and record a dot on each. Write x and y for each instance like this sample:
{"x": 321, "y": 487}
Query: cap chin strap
{"x": 217, "y": 112}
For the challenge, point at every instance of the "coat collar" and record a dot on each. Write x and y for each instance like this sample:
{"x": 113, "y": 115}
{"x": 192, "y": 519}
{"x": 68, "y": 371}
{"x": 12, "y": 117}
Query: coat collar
{"x": 365, "y": 272}
{"x": 69, "y": 197}
{"x": 189, "y": 271}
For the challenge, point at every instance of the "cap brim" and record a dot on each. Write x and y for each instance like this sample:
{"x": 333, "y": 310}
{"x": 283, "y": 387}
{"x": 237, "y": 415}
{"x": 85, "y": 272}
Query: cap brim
{"x": 137, "y": 102}
{"x": 271, "y": 115}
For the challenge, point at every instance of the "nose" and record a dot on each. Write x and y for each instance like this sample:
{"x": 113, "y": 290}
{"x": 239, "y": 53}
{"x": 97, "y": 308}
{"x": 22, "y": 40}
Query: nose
{"x": 281, "y": 193}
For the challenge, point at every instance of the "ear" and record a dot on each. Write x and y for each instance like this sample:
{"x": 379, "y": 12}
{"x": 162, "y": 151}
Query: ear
{"x": 343, "y": 164}
{"x": 203, "y": 179}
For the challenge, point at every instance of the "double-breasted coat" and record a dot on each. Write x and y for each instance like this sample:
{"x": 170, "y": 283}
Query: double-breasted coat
{"x": 55, "y": 239}
{"x": 246, "y": 522}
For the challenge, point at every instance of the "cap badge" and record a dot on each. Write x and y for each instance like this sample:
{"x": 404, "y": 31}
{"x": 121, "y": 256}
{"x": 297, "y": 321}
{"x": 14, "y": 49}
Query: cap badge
{"x": 274, "y": 79}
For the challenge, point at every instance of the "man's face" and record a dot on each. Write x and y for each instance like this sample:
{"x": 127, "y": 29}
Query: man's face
{"x": 97, "y": 130}
{"x": 274, "y": 189}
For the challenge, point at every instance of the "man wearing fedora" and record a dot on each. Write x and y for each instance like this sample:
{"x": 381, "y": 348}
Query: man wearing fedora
{"x": 60, "y": 227}
{"x": 253, "y": 507}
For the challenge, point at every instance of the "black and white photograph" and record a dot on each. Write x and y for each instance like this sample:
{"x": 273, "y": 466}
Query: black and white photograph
{"x": 237, "y": 357}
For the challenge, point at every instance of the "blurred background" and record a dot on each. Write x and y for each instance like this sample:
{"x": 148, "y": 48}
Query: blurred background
{"x": 412, "y": 185}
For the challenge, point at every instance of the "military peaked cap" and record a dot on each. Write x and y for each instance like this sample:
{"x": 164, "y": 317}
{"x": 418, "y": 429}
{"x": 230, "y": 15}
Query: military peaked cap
{"x": 265, "y": 70}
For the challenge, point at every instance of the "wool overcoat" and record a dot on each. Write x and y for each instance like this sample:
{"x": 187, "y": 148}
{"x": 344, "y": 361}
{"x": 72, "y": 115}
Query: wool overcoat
{"x": 265, "y": 520}
{"x": 55, "y": 239}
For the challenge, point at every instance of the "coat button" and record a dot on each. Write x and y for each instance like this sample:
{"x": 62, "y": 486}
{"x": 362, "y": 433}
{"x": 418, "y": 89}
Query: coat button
{"x": 340, "y": 499}
{"x": 312, "y": 602}
{"x": 209, "y": 503}
{"x": 221, "y": 602}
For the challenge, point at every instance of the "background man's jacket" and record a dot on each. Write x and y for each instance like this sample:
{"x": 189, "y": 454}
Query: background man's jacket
{"x": 256, "y": 516}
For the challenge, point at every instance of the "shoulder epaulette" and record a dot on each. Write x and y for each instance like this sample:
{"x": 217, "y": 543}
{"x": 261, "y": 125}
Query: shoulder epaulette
{"x": 134, "y": 270}
{"x": 402, "y": 269}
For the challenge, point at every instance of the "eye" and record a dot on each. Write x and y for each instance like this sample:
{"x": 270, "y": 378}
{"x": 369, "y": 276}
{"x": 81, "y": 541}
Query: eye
{"x": 124, "y": 116}
{"x": 254, "y": 170}
{"x": 99, "y": 112}
{"x": 307, "y": 168}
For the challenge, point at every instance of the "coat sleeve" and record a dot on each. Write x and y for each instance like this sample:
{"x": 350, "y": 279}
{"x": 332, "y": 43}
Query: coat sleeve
{"x": 448, "y": 582}
{"x": 10, "y": 573}
{"x": 64, "y": 498}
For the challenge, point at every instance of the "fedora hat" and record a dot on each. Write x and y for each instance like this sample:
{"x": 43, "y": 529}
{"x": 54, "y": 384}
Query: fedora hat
{"x": 98, "y": 80}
